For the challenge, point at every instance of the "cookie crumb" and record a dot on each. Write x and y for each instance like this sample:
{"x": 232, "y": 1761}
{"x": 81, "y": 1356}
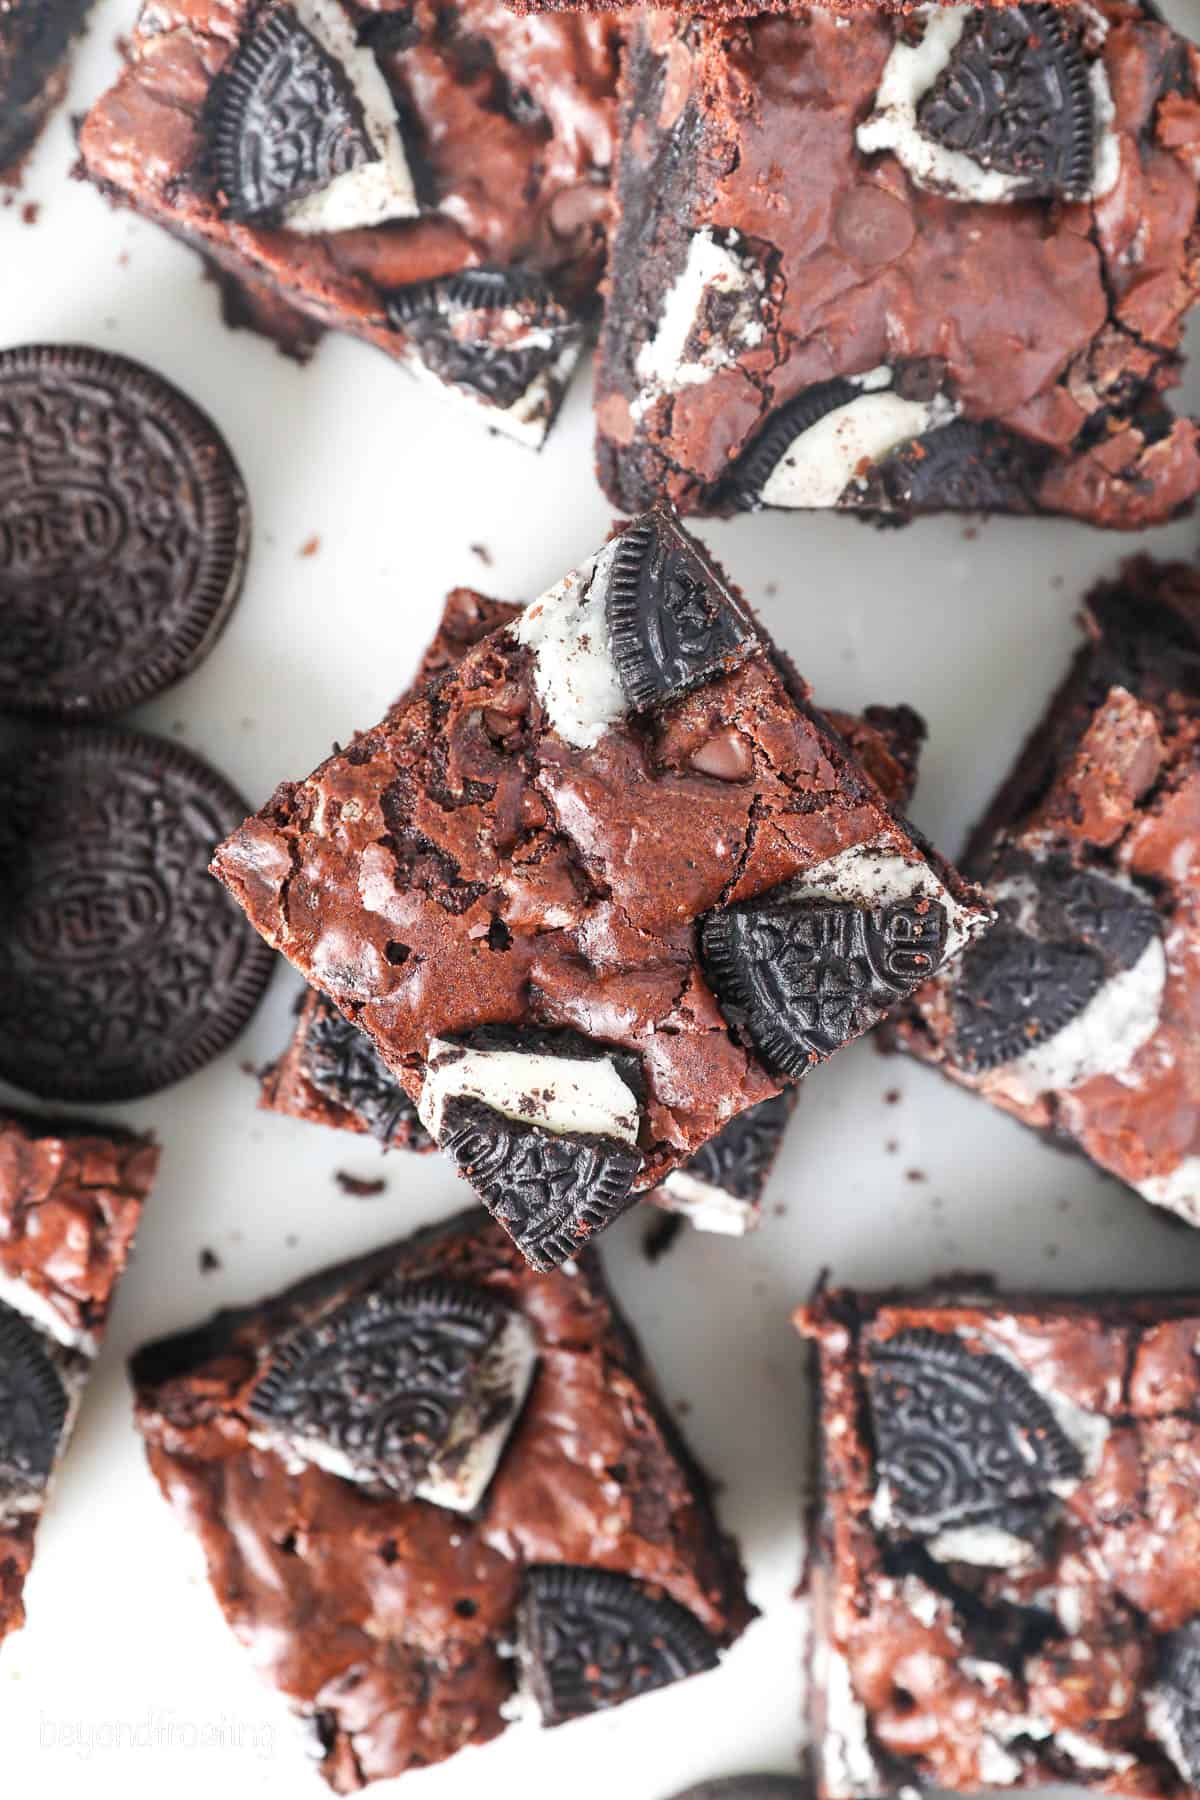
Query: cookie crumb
{"x": 660, "y": 1234}
{"x": 208, "y": 1260}
{"x": 483, "y": 553}
{"x": 311, "y": 545}
{"x": 358, "y": 1185}
{"x": 915, "y": 1175}
{"x": 892, "y": 1097}
{"x": 30, "y": 213}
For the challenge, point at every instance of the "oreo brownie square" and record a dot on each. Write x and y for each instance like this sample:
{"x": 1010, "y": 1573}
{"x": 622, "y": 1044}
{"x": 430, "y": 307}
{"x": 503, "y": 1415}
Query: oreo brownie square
{"x": 900, "y": 265}
{"x": 1004, "y": 1571}
{"x": 71, "y": 1197}
{"x": 600, "y": 887}
{"x": 434, "y": 1489}
{"x": 1078, "y": 1016}
{"x": 432, "y": 178}
{"x": 35, "y": 45}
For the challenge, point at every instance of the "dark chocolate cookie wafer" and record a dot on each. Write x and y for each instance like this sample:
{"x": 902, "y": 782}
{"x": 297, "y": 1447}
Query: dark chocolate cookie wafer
{"x": 123, "y": 967}
{"x": 750, "y": 1787}
{"x": 124, "y": 529}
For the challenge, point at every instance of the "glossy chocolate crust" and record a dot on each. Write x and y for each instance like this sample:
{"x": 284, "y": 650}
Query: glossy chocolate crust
{"x": 71, "y": 1197}
{"x": 463, "y": 865}
{"x": 969, "y": 1677}
{"x": 1059, "y": 323}
{"x": 738, "y": 9}
{"x": 382, "y": 1620}
{"x": 1111, "y": 778}
{"x": 35, "y": 40}
{"x": 508, "y": 126}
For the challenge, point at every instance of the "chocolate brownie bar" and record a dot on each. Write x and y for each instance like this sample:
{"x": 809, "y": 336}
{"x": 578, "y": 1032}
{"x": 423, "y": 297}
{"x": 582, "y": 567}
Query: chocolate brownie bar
{"x": 35, "y": 44}
{"x": 432, "y": 1487}
{"x": 903, "y": 265}
{"x": 1004, "y": 1572}
{"x": 70, "y": 1200}
{"x": 1078, "y": 1016}
{"x": 601, "y": 886}
{"x": 432, "y": 178}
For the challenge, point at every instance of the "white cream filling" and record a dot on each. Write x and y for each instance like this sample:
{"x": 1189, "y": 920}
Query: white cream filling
{"x": 822, "y": 462}
{"x": 574, "y": 672}
{"x": 875, "y": 874}
{"x": 42, "y": 1312}
{"x": 847, "y": 1765}
{"x": 984, "y": 1546}
{"x": 909, "y": 73}
{"x": 1104, "y": 1038}
{"x": 559, "y": 1093}
{"x": 707, "y": 1207}
{"x": 378, "y": 190}
{"x": 531, "y": 414}
{"x": 712, "y": 267}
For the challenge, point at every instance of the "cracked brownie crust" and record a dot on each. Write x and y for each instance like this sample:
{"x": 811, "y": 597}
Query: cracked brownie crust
{"x": 839, "y": 279}
{"x": 1003, "y": 1571}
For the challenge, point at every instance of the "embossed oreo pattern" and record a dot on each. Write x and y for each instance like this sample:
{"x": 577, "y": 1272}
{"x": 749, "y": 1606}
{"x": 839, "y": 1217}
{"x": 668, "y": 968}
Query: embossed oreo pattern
{"x": 671, "y": 622}
{"x": 960, "y": 1435}
{"x": 287, "y": 121}
{"x": 1016, "y": 97}
{"x": 590, "y": 1638}
{"x": 549, "y": 1191}
{"x": 33, "y": 1407}
{"x": 802, "y": 976}
{"x": 343, "y": 1064}
{"x": 124, "y": 528}
{"x": 123, "y": 966}
{"x": 491, "y": 330}
{"x": 738, "y": 1160}
{"x": 381, "y": 1380}
{"x": 966, "y": 466}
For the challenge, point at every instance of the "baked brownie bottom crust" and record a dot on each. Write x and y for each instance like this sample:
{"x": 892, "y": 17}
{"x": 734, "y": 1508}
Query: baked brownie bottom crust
{"x": 35, "y": 39}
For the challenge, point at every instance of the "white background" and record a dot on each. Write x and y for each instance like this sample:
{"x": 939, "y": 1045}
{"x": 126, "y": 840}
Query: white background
{"x": 125, "y": 1681}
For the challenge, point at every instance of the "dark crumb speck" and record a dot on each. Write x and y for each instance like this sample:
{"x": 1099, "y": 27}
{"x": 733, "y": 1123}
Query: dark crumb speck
{"x": 248, "y": 1068}
{"x": 356, "y": 1185}
{"x": 660, "y": 1234}
{"x": 892, "y": 1145}
{"x": 779, "y": 1210}
{"x": 208, "y": 1260}
{"x": 291, "y": 1240}
{"x": 311, "y": 545}
{"x": 683, "y": 1408}
{"x": 892, "y": 1097}
{"x": 970, "y": 533}
{"x": 30, "y": 213}
{"x": 121, "y": 45}
{"x": 915, "y": 1175}
{"x": 483, "y": 553}
{"x": 771, "y": 589}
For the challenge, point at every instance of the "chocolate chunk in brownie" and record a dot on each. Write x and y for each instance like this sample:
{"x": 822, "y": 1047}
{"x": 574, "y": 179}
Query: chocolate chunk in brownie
{"x": 375, "y": 1463}
{"x": 699, "y": 882}
{"x": 70, "y": 1200}
{"x": 433, "y": 179}
{"x": 1076, "y": 1015}
{"x": 904, "y": 264}
{"x": 1004, "y": 1553}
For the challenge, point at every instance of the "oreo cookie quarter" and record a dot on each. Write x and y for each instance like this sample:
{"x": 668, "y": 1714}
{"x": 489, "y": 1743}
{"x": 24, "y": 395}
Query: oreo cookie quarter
{"x": 124, "y": 532}
{"x": 123, "y": 966}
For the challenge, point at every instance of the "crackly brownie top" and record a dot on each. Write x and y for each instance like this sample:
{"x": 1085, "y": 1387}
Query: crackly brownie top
{"x": 70, "y": 1200}
{"x": 607, "y": 821}
{"x": 1008, "y": 1571}
{"x": 971, "y": 228}
{"x": 1079, "y": 1013}
{"x": 389, "y": 1620}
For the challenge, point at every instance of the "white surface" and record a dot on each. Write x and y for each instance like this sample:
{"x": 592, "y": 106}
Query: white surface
{"x": 126, "y": 1671}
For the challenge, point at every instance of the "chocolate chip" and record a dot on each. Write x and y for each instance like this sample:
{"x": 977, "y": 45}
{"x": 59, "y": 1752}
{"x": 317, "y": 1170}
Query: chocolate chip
{"x": 727, "y": 756}
{"x": 285, "y": 121}
{"x": 1014, "y": 993}
{"x": 802, "y": 976}
{"x": 492, "y": 330}
{"x": 959, "y": 1433}
{"x": 966, "y": 466}
{"x": 343, "y": 1064}
{"x": 123, "y": 966}
{"x": 551, "y": 1191}
{"x": 590, "y": 1638}
{"x": 738, "y": 1160}
{"x": 124, "y": 529}
{"x": 672, "y": 621}
{"x": 33, "y": 1406}
{"x": 1177, "y": 1685}
{"x": 1016, "y": 96}
{"x": 385, "y": 1380}
{"x": 754, "y": 467}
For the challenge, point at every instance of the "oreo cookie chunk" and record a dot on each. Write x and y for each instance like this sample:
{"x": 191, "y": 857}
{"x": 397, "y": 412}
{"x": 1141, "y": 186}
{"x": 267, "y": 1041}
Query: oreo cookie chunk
{"x": 970, "y": 466}
{"x": 124, "y": 530}
{"x": 587, "y": 1639}
{"x": 122, "y": 967}
{"x": 544, "y": 1126}
{"x": 70, "y": 1201}
{"x": 970, "y": 1442}
{"x": 343, "y": 1066}
{"x": 720, "y": 1188}
{"x": 414, "y": 1389}
{"x": 364, "y": 1442}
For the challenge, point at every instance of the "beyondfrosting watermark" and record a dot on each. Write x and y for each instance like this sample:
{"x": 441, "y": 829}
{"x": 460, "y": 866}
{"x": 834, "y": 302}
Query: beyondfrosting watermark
{"x": 156, "y": 1730}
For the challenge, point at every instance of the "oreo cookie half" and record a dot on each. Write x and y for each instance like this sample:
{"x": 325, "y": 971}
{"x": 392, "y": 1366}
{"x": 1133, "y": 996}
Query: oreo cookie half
{"x": 801, "y": 976}
{"x": 124, "y": 531}
{"x": 960, "y": 1435}
{"x": 743, "y": 487}
{"x": 414, "y": 1390}
{"x": 1016, "y": 96}
{"x": 589, "y": 1638}
{"x": 672, "y": 621}
{"x": 123, "y": 966}
{"x": 33, "y": 1406}
{"x": 966, "y": 466}
{"x": 343, "y": 1064}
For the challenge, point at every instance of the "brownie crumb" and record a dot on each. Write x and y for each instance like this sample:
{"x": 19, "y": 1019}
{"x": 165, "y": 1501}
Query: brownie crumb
{"x": 892, "y": 1145}
{"x": 208, "y": 1260}
{"x": 30, "y": 213}
{"x": 915, "y": 1175}
{"x": 311, "y": 545}
{"x": 483, "y": 553}
{"x": 358, "y": 1186}
{"x": 892, "y": 1097}
{"x": 660, "y": 1234}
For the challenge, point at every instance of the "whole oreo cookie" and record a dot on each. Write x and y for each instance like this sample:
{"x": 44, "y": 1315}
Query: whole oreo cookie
{"x": 124, "y": 529}
{"x": 123, "y": 966}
